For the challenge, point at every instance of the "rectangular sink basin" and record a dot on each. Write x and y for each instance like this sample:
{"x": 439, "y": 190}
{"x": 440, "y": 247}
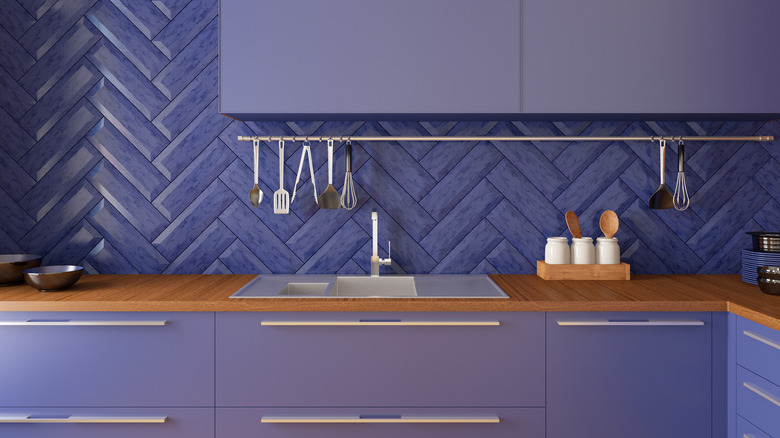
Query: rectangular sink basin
{"x": 378, "y": 287}
{"x": 304, "y": 289}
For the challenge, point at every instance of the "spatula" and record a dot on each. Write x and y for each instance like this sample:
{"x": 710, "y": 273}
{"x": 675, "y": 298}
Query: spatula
{"x": 574, "y": 224}
{"x": 281, "y": 197}
{"x": 662, "y": 198}
{"x": 330, "y": 198}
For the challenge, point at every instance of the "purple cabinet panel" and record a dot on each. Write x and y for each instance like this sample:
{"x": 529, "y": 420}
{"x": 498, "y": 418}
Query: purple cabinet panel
{"x": 424, "y": 366}
{"x": 368, "y": 58}
{"x": 758, "y": 349}
{"x": 106, "y": 359}
{"x": 631, "y": 375}
{"x": 512, "y": 423}
{"x": 107, "y": 422}
{"x": 746, "y": 429}
{"x": 758, "y": 401}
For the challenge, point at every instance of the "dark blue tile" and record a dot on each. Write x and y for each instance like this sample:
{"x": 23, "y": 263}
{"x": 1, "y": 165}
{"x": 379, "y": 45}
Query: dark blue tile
{"x": 37, "y": 8}
{"x": 127, "y": 200}
{"x": 643, "y": 260}
{"x": 189, "y": 62}
{"x": 104, "y": 259}
{"x": 14, "y": 18}
{"x": 714, "y": 154}
{"x": 641, "y": 180}
{"x": 518, "y": 231}
{"x": 438, "y": 128}
{"x": 14, "y": 99}
{"x": 768, "y": 218}
{"x": 189, "y": 103}
{"x": 240, "y": 260}
{"x": 14, "y": 179}
{"x": 13, "y": 57}
{"x": 58, "y": 181}
{"x": 127, "y": 159}
{"x": 446, "y": 154}
{"x": 771, "y": 127}
{"x": 572, "y": 128}
{"x": 417, "y": 149}
{"x": 76, "y": 245}
{"x": 170, "y": 7}
{"x": 351, "y": 268}
{"x": 706, "y": 127}
{"x": 507, "y": 260}
{"x": 768, "y": 176}
{"x": 617, "y": 197}
{"x": 203, "y": 251}
{"x": 8, "y": 244}
{"x": 537, "y": 128}
{"x": 53, "y": 25}
{"x": 317, "y": 230}
{"x": 13, "y": 219}
{"x": 144, "y": 15}
{"x": 115, "y": 228}
{"x": 337, "y": 250}
{"x": 13, "y": 138}
{"x": 185, "y": 26}
{"x": 217, "y": 267}
{"x": 579, "y": 154}
{"x": 728, "y": 259}
{"x": 484, "y": 268}
{"x": 469, "y": 251}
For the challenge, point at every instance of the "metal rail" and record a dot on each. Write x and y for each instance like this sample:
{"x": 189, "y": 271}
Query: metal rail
{"x": 492, "y": 138}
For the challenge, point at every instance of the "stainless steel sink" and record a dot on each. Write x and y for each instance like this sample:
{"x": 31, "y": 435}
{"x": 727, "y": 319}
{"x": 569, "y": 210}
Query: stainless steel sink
{"x": 377, "y": 287}
{"x": 304, "y": 289}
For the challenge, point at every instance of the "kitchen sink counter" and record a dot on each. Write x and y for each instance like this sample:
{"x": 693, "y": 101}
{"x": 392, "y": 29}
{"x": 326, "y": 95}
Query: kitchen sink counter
{"x": 208, "y": 293}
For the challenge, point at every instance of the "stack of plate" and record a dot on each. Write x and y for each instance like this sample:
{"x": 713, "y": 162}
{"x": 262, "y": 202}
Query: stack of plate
{"x": 751, "y": 260}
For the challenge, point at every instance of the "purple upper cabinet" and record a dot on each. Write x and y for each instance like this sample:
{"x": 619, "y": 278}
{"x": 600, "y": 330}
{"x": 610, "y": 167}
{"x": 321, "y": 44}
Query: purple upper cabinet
{"x": 369, "y": 59}
{"x": 651, "y": 57}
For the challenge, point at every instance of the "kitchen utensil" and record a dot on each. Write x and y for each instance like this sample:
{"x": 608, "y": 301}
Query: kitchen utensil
{"x": 52, "y": 278}
{"x": 306, "y": 153}
{"x": 574, "y": 224}
{"x": 769, "y": 286}
{"x": 609, "y": 223}
{"x": 12, "y": 265}
{"x": 330, "y": 198}
{"x": 681, "y": 199}
{"x": 255, "y": 195}
{"x": 348, "y": 197}
{"x": 281, "y": 197}
{"x": 662, "y": 198}
{"x": 765, "y": 241}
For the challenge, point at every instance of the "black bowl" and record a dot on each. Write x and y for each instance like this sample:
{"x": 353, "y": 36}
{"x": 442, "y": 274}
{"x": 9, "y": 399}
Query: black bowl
{"x": 769, "y": 286}
{"x": 765, "y": 241}
{"x": 53, "y": 278}
{"x": 769, "y": 272}
{"x": 12, "y": 265}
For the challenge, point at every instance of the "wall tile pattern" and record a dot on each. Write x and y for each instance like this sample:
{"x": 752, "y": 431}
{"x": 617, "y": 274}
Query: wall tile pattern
{"x": 114, "y": 156}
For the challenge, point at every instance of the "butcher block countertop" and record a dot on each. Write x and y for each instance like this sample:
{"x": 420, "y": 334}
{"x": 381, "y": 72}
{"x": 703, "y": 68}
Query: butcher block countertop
{"x": 209, "y": 293}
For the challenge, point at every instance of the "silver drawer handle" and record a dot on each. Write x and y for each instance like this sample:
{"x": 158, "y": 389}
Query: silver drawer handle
{"x": 77, "y": 419}
{"x": 761, "y": 392}
{"x": 34, "y": 322}
{"x": 380, "y": 323}
{"x": 747, "y": 435}
{"x": 645, "y": 323}
{"x": 762, "y": 339}
{"x": 379, "y": 419}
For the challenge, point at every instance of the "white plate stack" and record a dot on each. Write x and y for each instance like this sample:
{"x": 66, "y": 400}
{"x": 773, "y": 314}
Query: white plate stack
{"x": 751, "y": 260}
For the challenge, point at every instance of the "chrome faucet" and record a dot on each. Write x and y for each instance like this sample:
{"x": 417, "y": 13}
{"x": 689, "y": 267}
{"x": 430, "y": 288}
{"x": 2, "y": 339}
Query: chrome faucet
{"x": 375, "y": 260}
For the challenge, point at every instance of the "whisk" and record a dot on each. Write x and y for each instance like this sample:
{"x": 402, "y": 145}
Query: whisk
{"x": 681, "y": 198}
{"x": 348, "y": 197}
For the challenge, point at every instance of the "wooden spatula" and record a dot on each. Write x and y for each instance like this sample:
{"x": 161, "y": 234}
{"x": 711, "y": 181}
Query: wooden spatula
{"x": 574, "y": 224}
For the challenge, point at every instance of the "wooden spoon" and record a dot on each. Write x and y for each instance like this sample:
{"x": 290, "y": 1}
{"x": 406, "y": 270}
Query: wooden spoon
{"x": 574, "y": 224}
{"x": 609, "y": 223}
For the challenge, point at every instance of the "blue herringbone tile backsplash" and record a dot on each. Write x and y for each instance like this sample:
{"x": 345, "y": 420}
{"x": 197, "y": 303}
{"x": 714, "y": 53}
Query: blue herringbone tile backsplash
{"x": 114, "y": 157}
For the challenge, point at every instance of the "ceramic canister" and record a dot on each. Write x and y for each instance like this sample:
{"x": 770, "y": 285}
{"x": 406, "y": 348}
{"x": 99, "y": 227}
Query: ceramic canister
{"x": 556, "y": 252}
{"x": 607, "y": 251}
{"x": 582, "y": 251}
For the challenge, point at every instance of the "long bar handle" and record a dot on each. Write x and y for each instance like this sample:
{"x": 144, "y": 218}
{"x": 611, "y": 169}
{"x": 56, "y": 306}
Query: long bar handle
{"x": 380, "y": 323}
{"x": 33, "y": 322}
{"x": 379, "y": 419}
{"x": 761, "y": 339}
{"x": 760, "y": 392}
{"x": 632, "y": 323}
{"x": 79, "y": 419}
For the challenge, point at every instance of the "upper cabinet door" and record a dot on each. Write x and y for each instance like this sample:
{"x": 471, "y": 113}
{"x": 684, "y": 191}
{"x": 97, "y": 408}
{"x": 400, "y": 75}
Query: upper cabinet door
{"x": 651, "y": 57}
{"x": 332, "y": 59}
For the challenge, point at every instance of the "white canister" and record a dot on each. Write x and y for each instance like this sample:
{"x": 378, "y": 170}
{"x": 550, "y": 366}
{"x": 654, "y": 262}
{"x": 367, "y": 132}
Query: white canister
{"x": 607, "y": 251}
{"x": 556, "y": 252}
{"x": 582, "y": 251}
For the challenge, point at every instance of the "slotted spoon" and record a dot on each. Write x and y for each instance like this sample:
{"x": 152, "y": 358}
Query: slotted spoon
{"x": 281, "y": 197}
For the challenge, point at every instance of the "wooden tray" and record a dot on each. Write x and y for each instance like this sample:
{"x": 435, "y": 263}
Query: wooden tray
{"x": 583, "y": 272}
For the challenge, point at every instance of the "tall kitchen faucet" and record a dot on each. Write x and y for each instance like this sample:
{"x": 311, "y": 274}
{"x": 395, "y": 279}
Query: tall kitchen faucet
{"x": 375, "y": 260}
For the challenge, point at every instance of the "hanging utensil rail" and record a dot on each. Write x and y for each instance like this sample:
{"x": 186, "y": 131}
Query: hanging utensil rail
{"x": 489, "y": 138}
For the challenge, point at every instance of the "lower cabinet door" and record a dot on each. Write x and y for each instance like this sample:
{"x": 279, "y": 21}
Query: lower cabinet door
{"x": 107, "y": 422}
{"x": 758, "y": 401}
{"x": 380, "y": 423}
{"x": 745, "y": 429}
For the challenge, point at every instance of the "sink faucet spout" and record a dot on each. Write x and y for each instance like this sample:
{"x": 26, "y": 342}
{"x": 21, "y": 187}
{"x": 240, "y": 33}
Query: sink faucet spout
{"x": 375, "y": 260}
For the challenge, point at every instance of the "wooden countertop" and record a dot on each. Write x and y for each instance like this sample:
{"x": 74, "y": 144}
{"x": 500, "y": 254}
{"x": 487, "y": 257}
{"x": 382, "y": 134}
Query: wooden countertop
{"x": 209, "y": 293}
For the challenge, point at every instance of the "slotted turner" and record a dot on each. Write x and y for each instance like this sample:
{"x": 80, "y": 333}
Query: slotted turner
{"x": 281, "y": 197}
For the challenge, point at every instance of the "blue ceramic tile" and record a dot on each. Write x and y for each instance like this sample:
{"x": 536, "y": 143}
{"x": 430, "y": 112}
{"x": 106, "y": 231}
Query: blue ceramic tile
{"x": 461, "y": 220}
{"x": 189, "y": 62}
{"x": 14, "y": 18}
{"x": 105, "y": 258}
{"x": 121, "y": 234}
{"x": 507, "y": 260}
{"x": 127, "y": 38}
{"x": 13, "y": 138}
{"x": 307, "y": 127}
{"x": 55, "y": 63}
{"x": 147, "y": 18}
{"x": 189, "y": 103}
{"x": 194, "y": 179}
{"x": 58, "y": 181}
{"x": 728, "y": 259}
{"x": 8, "y": 244}
{"x": 185, "y": 26}
{"x": 170, "y": 7}
{"x": 446, "y": 154}
{"x": 526, "y": 198}
{"x": 13, "y": 219}
{"x": 484, "y": 268}
{"x": 240, "y": 260}
{"x": 127, "y": 79}
{"x": 76, "y": 245}
{"x": 317, "y": 230}
{"x": 217, "y": 267}
{"x": 518, "y": 231}
{"x": 768, "y": 218}
{"x": 37, "y": 8}
{"x": 209, "y": 204}
{"x": 337, "y": 250}
{"x": 537, "y": 128}
{"x": 579, "y": 154}
{"x": 640, "y": 178}
{"x": 768, "y": 176}
{"x": 127, "y": 159}
{"x": 191, "y": 142}
{"x": 14, "y": 99}
{"x": 13, "y": 57}
{"x": 261, "y": 241}
{"x": 417, "y": 149}
{"x": 643, "y": 259}
{"x": 461, "y": 180}
{"x": 771, "y": 127}
{"x": 60, "y": 139}
{"x": 438, "y": 128}
{"x": 63, "y": 95}
{"x": 705, "y": 127}
{"x": 203, "y": 251}
{"x": 13, "y": 179}
{"x": 53, "y": 25}
{"x": 617, "y": 197}
{"x": 713, "y": 155}
{"x": 127, "y": 119}
{"x": 572, "y": 128}
{"x": 469, "y": 251}
{"x": 58, "y": 222}
{"x": 127, "y": 200}
{"x": 351, "y": 268}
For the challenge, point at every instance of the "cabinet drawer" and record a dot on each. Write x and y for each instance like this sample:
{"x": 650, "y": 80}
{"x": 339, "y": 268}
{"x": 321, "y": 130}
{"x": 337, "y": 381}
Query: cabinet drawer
{"x": 106, "y": 359}
{"x": 112, "y": 422}
{"x": 747, "y": 430}
{"x": 419, "y": 359}
{"x": 758, "y": 349}
{"x": 381, "y": 423}
{"x": 758, "y": 401}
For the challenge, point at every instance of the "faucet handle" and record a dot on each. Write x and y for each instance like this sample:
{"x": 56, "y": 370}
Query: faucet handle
{"x": 388, "y": 250}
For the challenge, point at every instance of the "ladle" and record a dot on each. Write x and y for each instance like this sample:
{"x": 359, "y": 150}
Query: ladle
{"x": 662, "y": 198}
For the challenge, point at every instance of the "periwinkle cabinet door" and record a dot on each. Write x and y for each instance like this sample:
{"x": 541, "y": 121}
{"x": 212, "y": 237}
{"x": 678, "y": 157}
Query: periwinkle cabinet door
{"x": 640, "y": 375}
{"x": 329, "y": 59}
{"x": 650, "y": 56}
